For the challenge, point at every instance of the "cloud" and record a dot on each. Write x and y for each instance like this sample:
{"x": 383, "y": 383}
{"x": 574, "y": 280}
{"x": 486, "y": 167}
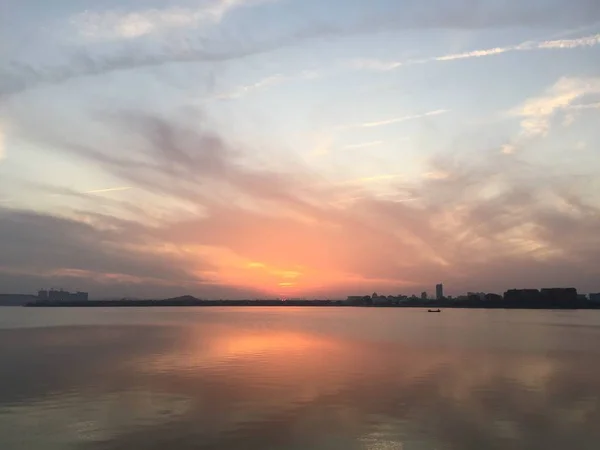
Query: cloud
{"x": 375, "y": 64}
{"x": 241, "y": 91}
{"x": 436, "y": 175}
{"x": 2, "y": 143}
{"x": 272, "y": 80}
{"x": 537, "y": 112}
{"x": 364, "y": 145}
{"x": 120, "y": 24}
{"x": 42, "y": 243}
{"x": 488, "y": 223}
{"x": 373, "y": 178}
{"x": 107, "y": 256}
{"x": 472, "y": 54}
{"x": 113, "y": 189}
{"x": 386, "y": 122}
{"x": 508, "y": 149}
{"x": 588, "y": 41}
{"x": 20, "y": 75}
{"x": 595, "y": 105}
{"x": 23, "y": 76}
{"x": 474, "y": 15}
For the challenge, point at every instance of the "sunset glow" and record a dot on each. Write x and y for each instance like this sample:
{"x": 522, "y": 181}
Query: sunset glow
{"x": 250, "y": 149}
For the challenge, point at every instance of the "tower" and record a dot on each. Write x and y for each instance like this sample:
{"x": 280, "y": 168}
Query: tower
{"x": 439, "y": 291}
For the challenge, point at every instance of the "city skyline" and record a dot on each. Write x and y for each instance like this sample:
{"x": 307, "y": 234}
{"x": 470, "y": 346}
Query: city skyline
{"x": 62, "y": 294}
{"x": 261, "y": 148}
{"x": 544, "y": 298}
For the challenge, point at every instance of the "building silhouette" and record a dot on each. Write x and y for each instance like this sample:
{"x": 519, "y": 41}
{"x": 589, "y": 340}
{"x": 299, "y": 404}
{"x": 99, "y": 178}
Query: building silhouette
{"x": 559, "y": 296}
{"x": 493, "y": 298}
{"x": 79, "y": 296}
{"x": 60, "y": 295}
{"x": 547, "y": 297}
{"x": 522, "y": 295}
{"x": 439, "y": 291}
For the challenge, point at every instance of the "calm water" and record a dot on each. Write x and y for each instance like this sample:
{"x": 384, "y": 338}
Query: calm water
{"x": 307, "y": 378}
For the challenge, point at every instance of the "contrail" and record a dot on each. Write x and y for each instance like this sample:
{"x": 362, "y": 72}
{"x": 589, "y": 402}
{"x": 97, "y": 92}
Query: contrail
{"x": 402, "y": 119}
{"x": 587, "y": 41}
{"x": 114, "y": 189}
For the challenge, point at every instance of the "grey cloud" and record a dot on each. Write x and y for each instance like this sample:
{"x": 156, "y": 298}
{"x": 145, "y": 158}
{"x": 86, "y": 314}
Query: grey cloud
{"x": 41, "y": 250}
{"x": 39, "y": 243}
{"x": 18, "y": 75}
{"x": 492, "y": 221}
{"x": 28, "y": 282}
{"x": 437, "y": 14}
{"x": 193, "y": 163}
{"x": 490, "y": 13}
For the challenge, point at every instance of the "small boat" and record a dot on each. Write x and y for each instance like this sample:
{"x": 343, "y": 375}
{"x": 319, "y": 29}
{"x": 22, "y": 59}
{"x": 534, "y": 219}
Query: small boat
{"x": 434, "y": 310}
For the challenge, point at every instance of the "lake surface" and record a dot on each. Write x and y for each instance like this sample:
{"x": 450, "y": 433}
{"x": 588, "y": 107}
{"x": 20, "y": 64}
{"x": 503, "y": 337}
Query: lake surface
{"x": 298, "y": 378}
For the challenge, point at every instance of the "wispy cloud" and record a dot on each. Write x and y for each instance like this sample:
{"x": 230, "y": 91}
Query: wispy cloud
{"x": 376, "y": 64}
{"x": 436, "y": 175}
{"x": 508, "y": 149}
{"x": 382, "y": 177}
{"x": 113, "y": 189}
{"x": 373, "y": 178}
{"x": 243, "y": 90}
{"x": 363, "y": 145}
{"x": 494, "y": 220}
{"x": 119, "y": 24}
{"x": 382, "y": 123}
{"x": 2, "y": 143}
{"x": 537, "y": 112}
{"x": 271, "y": 80}
{"x": 22, "y": 75}
{"x": 587, "y": 41}
{"x": 471, "y": 54}
{"x": 595, "y": 105}
{"x": 566, "y": 99}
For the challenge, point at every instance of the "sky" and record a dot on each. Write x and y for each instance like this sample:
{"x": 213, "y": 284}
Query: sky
{"x": 299, "y": 148}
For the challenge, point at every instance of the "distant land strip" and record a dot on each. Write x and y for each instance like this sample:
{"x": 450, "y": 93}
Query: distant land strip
{"x": 411, "y": 303}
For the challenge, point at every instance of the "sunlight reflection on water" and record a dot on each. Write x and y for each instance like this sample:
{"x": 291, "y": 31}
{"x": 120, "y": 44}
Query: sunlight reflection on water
{"x": 294, "y": 379}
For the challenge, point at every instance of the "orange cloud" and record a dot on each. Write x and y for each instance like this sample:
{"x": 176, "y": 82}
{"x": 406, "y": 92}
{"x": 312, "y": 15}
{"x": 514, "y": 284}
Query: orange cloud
{"x": 490, "y": 220}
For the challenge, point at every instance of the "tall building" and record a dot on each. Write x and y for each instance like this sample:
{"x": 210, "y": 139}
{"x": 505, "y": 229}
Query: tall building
{"x": 439, "y": 291}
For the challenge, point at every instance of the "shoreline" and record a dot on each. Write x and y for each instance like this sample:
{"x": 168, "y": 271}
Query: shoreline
{"x": 301, "y": 303}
